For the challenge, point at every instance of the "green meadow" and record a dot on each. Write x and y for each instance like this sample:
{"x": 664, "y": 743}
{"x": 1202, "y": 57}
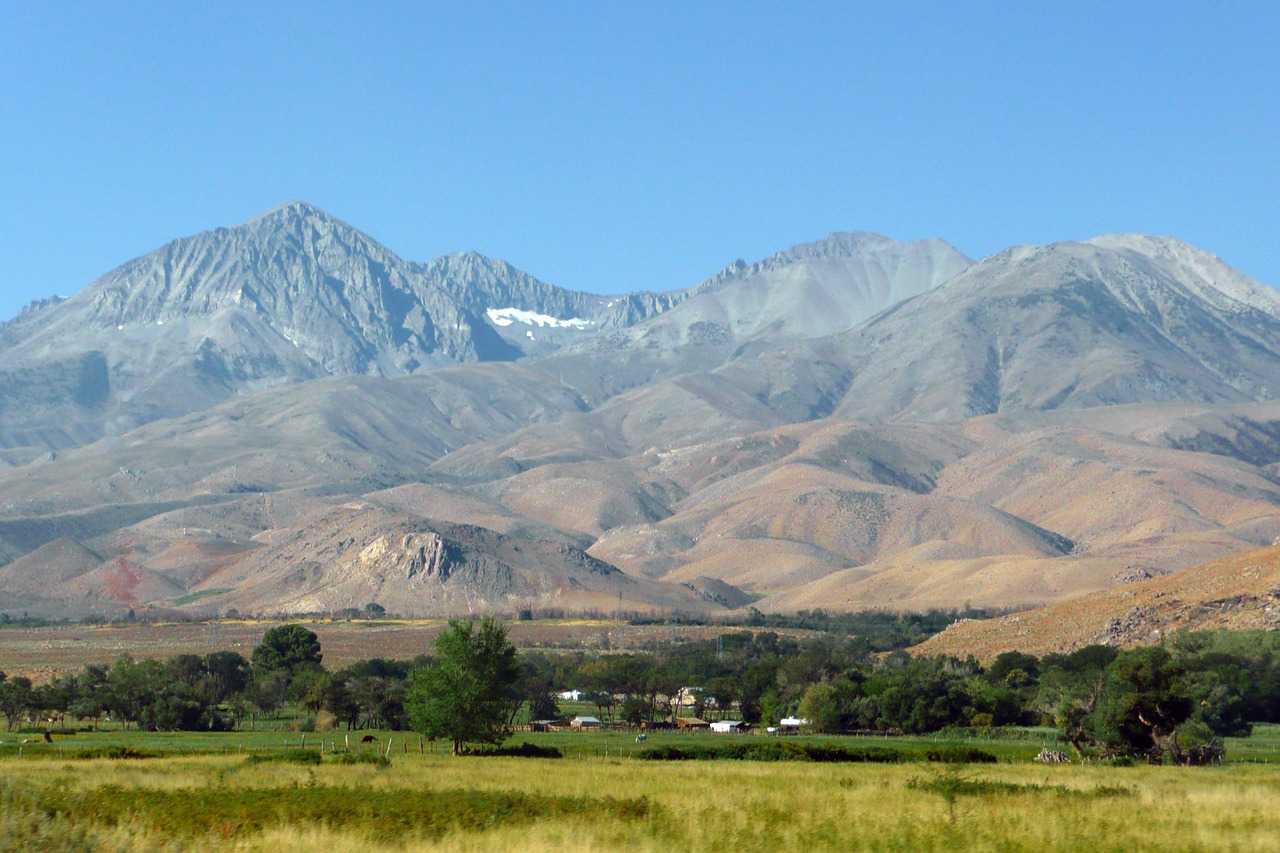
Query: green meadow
{"x": 267, "y": 790}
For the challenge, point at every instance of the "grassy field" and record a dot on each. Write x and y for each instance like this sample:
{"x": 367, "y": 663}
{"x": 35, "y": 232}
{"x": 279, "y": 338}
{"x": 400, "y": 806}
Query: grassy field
{"x": 1007, "y": 744}
{"x": 202, "y": 791}
{"x": 42, "y": 653}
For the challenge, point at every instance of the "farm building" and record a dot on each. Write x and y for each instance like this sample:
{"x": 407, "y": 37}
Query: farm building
{"x": 571, "y": 695}
{"x": 725, "y": 727}
{"x": 792, "y": 723}
{"x": 584, "y": 723}
{"x": 691, "y": 723}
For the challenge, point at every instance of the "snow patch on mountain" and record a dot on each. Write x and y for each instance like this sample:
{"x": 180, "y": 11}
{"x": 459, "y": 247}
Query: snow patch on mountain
{"x": 507, "y": 316}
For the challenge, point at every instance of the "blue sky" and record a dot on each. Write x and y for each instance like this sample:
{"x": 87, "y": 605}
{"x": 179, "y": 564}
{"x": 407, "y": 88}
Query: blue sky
{"x": 611, "y": 147}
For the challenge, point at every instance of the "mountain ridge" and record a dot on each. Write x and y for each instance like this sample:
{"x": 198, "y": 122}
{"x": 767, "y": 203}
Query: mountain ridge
{"x": 852, "y": 422}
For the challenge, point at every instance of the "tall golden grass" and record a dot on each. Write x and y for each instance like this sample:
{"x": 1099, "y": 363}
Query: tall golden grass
{"x": 604, "y": 804}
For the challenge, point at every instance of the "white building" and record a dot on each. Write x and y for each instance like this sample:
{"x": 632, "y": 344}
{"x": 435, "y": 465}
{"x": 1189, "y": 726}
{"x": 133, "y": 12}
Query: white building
{"x": 725, "y": 727}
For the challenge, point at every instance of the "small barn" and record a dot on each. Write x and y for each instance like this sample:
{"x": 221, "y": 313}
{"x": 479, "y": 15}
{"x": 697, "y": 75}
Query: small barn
{"x": 728, "y": 727}
{"x": 584, "y": 723}
{"x": 691, "y": 723}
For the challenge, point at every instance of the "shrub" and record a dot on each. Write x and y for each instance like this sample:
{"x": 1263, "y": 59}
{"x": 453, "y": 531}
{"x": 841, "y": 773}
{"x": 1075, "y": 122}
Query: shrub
{"x": 286, "y": 756}
{"x": 960, "y": 755}
{"x": 376, "y": 759}
{"x": 524, "y": 750}
{"x": 770, "y": 750}
{"x": 114, "y": 752}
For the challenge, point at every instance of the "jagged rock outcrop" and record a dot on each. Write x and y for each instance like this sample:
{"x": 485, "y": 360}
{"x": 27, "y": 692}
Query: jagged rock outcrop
{"x": 422, "y": 567}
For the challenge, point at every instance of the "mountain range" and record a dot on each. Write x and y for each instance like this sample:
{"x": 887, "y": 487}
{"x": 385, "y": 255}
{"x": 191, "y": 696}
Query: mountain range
{"x": 286, "y": 417}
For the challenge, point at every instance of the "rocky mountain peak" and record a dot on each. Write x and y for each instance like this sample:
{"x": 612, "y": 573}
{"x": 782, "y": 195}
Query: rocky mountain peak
{"x": 289, "y": 210}
{"x": 839, "y": 244}
{"x": 1204, "y": 274}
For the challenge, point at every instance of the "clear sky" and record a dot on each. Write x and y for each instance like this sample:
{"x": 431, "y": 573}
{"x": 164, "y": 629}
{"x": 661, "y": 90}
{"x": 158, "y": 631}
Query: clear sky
{"x": 611, "y": 146}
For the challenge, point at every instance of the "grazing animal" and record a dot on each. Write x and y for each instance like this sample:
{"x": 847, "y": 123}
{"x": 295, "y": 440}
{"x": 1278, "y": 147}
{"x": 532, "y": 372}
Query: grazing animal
{"x": 48, "y": 736}
{"x": 641, "y": 738}
{"x": 368, "y": 739}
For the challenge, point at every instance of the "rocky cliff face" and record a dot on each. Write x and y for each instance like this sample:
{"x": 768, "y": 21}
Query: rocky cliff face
{"x": 420, "y": 567}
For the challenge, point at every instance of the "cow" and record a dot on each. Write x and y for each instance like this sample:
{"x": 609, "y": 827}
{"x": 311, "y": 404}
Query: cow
{"x": 641, "y": 738}
{"x": 368, "y": 739}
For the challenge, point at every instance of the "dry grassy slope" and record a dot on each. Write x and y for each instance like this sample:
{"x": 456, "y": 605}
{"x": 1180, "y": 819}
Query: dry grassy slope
{"x": 1236, "y": 592}
{"x": 1107, "y": 489}
{"x": 460, "y": 507}
{"x": 343, "y": 433}
{"x": 828, "y": 513}
{"x": 1006, "y": 509}
{"x": 585, "y": 498}
{"x": 359, "y": 553}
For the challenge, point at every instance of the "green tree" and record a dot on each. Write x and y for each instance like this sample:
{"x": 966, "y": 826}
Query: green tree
{"x": 228, "y": 673}
{"x": 286, "y": 647}
{"x": 270, "y": 692}
{"x": 132, "y": 686}
{"x": 1142, "y": 703}
{"x": 465, "y": 694}
{"x": 634, "y": 710}
{"x": 91, "y": 693}
{"x": 820, "y": 707}
{"x": 15, "y": 700}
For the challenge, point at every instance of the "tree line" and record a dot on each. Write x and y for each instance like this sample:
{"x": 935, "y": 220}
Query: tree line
{"x": 1177, "y": 699}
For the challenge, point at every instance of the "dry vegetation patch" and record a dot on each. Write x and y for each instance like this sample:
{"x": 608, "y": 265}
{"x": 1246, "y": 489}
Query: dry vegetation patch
{"x": 1239, "y": 592}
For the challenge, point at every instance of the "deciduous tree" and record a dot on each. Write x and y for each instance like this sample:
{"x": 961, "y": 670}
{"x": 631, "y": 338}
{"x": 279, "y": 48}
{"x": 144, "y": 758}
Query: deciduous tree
{"x": 465, "y": 694}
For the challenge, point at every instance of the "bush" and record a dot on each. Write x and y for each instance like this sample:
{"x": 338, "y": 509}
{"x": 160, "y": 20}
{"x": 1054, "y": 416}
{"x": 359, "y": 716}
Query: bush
{"x": 287, "y": 756}
{"x": 114, "y": 752}
{"x": 960, "y": 755}
{"x": 524, "y": 750}
{"x": 376, "y": 759}
{"x": 770, "y": 750}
